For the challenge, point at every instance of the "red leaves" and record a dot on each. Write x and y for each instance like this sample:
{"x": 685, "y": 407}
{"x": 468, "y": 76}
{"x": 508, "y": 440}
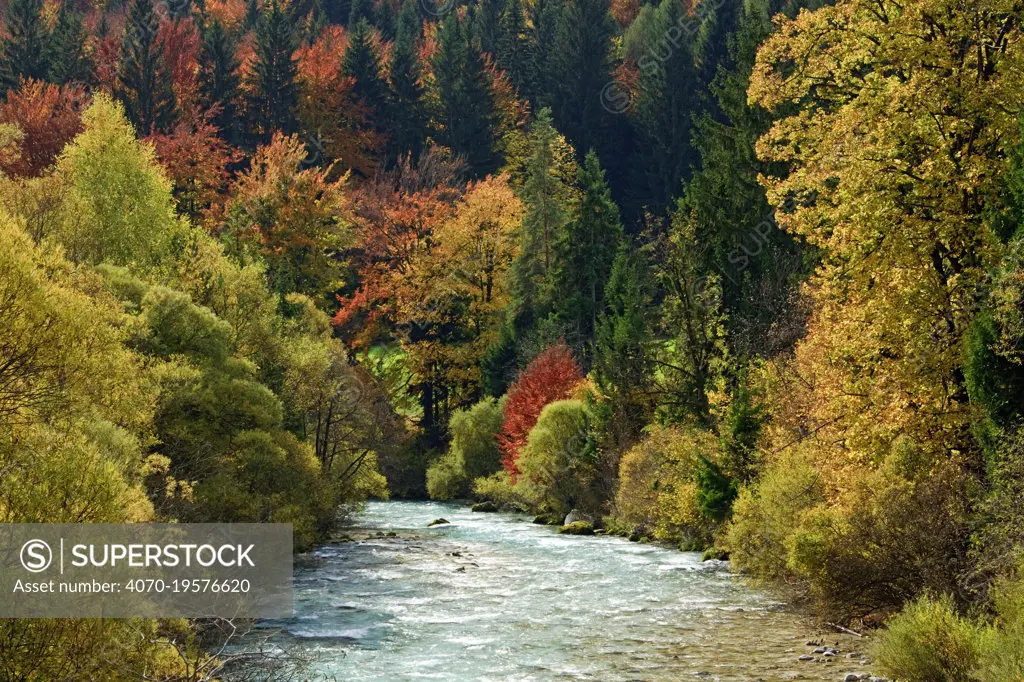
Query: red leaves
{"x": 549, "y": 377}
{"x": 49, "y": 116}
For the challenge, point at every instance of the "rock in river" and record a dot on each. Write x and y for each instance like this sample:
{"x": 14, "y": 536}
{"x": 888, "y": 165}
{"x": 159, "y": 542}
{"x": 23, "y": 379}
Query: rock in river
{"x": 577, "y": 528}
{"x": 484, "y": 507}
{"x": 437, "y": 522}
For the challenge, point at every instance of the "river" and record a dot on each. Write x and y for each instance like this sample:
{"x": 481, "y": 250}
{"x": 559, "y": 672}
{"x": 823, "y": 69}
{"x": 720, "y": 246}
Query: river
{"x": 494, "y": 597}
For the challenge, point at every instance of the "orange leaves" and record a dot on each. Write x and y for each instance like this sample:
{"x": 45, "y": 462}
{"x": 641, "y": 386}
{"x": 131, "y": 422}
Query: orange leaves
{"x": 196, "y": 160}
{"x": 181, "y": 45}
{"x": 337, "y": 122}
{"x": 49, "y": 116}
{"x": 549, "y": 377}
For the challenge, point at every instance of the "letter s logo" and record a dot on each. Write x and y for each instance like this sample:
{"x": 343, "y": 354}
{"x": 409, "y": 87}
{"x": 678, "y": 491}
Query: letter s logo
{"x": 36, "y": 556}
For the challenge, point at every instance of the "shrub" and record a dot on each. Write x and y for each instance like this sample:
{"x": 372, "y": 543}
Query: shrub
{"x": 473, "y": 454}
{"x": 1002, "y": 644}
{"x": 497, "y": 488}
{"x": 929, "y": 642}
{"x": 558, "y": 463}
{"x": 658, "y": 489}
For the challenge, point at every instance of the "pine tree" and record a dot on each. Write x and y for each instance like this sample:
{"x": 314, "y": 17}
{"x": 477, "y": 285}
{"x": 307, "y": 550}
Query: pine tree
{"x": 513, "y": 50}
{"x": 26, "y": 50}
{"x": 144, "y": 77}
{"x": 487, "y": 24}
{"x": 581, "y": 67}
{"x": 664, "y": 108}
{"x": 408, "y": 120}
{"x": 362, "y": 63}
{"x": 218, "y": 80}
{"x": 384, "y": 18}
{"x": 586, "y": 253}
{"x": 317, "y": 21}
{"x": 544, "y": 19}
{"x": 622, "y": 364}
{"x": 359, "y": 10}
{"x": 252, "y": 15}
{"x": 466, "y": 119}
{"x": 69, "y": 62}
{"x": 274, "y": 93}
{"x": 543, "y": 229}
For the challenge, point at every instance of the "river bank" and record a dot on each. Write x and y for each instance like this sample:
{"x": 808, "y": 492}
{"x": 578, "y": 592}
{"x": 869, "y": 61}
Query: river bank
{"x": 494, "y": 596}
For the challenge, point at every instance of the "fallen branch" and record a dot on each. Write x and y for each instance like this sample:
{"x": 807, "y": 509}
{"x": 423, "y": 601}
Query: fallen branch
{"x": 846, "y": 630}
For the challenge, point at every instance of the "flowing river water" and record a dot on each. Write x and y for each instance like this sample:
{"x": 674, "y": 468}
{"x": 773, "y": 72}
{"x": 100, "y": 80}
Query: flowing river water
{"x": 494, "y": 597}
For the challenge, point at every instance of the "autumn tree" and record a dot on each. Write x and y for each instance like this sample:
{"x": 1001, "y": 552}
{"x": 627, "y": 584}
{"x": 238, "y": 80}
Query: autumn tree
{"x": 292, "y": 217}
{"x": 549, "y": 377}
{"x": 48, "y": 116}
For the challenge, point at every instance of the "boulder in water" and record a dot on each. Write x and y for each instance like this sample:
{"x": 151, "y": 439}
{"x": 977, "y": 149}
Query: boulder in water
{"x": 577, "y": 528}
{"x": 437, "y": 522}
{"x": 484, "y": 507}
{"x": 576, "y": 515}
{"x": 545, "y": 520}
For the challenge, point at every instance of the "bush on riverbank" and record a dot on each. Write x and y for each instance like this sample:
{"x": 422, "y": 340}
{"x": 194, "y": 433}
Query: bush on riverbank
{"x": 473, "y": 452}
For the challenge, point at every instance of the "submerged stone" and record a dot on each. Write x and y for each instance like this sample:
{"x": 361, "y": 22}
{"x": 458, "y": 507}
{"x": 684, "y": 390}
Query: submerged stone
{"x": 437, "y": 522}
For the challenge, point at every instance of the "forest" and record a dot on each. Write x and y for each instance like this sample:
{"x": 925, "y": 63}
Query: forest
{"x": 745, "y": 278}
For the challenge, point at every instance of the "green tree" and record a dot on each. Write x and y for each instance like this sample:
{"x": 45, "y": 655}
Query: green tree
{"x": 218, "y": 79}
{"x": 466, "y": 119}
{"x": 69, "y": 61}
{"x": 274, "y": 93}
{"x": 580, "y": 65}
{"x": 664, "y": 106}
{"x": 362, "y": 63}
{"x": 512, "y": 52}
{"x": 487, "y": 24}
{"x": 586, "y": 252}
{"x": 408, "y": 117}
{"x": 144, "y": 76}
{"x": 25, "y": 51}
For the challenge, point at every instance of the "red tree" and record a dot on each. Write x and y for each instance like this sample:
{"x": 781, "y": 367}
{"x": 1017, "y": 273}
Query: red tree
{"x": 49, "y": 116}
{"x": 549, "y": 377}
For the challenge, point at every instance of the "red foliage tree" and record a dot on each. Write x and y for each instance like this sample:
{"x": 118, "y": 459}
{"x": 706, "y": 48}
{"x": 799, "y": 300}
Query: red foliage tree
{"x": 196, "y": 160}
{"x": 49, "y": 116}
{"x": 182, "y": 44}
{"x": 549, "y": 377}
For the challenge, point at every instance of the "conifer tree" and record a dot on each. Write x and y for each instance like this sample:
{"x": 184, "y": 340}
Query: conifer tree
{"x": 144, "y": 77}
{"x": 69, "y": 61}
{"x": 513, "y": 49}
{"x": 384, "y": 19}
{"x": 362, "y": 63}
{"x": 466, "y": 119}
{"x": 581, "y": 67}
{"x": 586, "y": 252}
{"x": 252, "y": 14}
{"x": 487, "y": 24}
{"x": 274, "y": 93}
{"x": 544, "y": 18}
{"x": 26, "y": 50}
{"x": 543, "y": 228}
{"x": 218, "y": 79}
{"x": 359, "y": 10}
{"x": 408, "y": 120}
{"x": 663, "y": 111}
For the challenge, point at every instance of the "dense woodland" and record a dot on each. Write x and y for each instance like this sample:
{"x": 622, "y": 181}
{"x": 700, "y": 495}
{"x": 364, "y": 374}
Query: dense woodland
{"x": 744, "y": 277}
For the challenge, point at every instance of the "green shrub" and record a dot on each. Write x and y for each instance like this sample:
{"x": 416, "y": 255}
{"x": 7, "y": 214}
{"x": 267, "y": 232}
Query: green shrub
{"x": 558, "y": 463}
{"x": 497, "y": 488}
{"x": 659, "y": 490}
{"x": 473, "y": 454}
{"x": 1002, "y": 644}
{"x": 929, "y": 642}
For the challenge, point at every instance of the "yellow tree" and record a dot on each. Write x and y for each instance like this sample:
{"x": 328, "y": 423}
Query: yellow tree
{"x": 894, "y": 119}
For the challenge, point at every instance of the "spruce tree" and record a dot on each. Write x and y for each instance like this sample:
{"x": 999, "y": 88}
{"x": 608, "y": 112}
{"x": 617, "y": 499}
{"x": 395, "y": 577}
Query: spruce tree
{"x": 362, "y": 63}
{"x": 581, "y": 67}
{"x": 586, "y": 252}
{"x": 545, "y": 199}
{"x": 384, "y": 18}
{"x": 663, "y": 111}
{"x": 359, "y": 10}
{"x": 252, "y": 15}
{"x": 466, "y": 119}
{"x": 144, "y": 77}
{"x": 218, "y": 81}
{"x": 487, "y": 24}
{"x": 407, "y": 117}
{"x": 513, "y": 50}
{"x": 544, "y": 19}
{"x": 317, "y": 21}
{"x": 69, "y": 61}
{"x": 26, "y": 50}
{"x": 622, "y": 364}
{"x": 274, "y": 93}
